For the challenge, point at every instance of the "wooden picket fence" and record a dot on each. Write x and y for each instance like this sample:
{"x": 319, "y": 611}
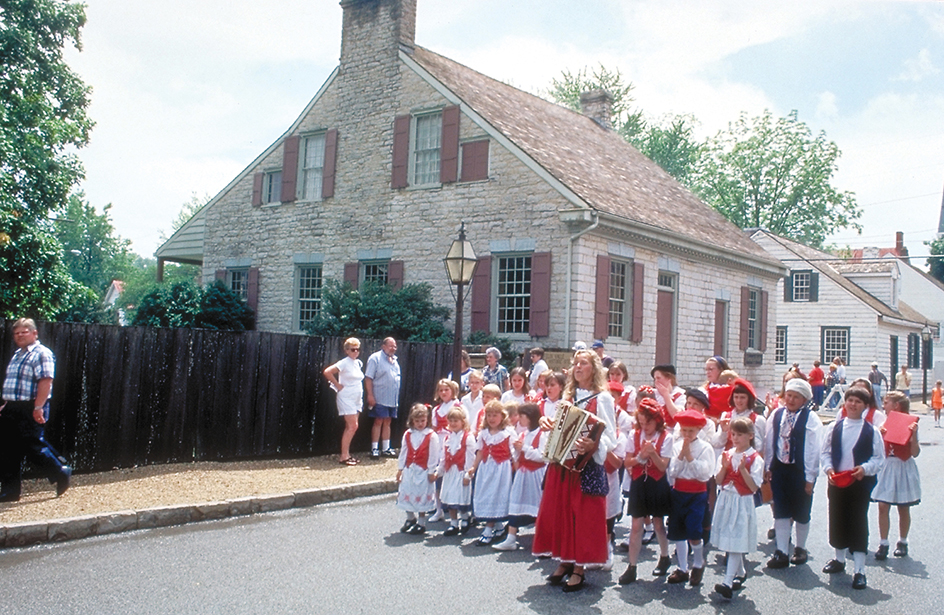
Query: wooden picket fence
{"x": 131, "y": 396}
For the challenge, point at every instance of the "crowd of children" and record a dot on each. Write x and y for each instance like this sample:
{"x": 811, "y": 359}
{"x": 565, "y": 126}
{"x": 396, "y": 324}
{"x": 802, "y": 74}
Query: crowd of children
{"x": 692, "y": 466}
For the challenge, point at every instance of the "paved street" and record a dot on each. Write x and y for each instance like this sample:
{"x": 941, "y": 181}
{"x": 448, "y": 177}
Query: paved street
{"x": 350, "y": 558}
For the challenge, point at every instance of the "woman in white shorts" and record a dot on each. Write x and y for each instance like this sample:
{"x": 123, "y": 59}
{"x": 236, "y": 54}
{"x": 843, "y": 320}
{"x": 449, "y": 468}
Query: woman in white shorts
{"x": 346, "y": 378}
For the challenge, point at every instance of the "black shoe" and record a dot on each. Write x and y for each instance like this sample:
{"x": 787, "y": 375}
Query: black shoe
{"x": 62, "y": 483}
{"x": 452, "y": 530}
{"x": 771, "y": 534}
{"x": 800, "y": 557}
{"x": 629, "y": 576}
{"x": 573, "y": 587}
{"x": 375, "y": 454}
{"x": 858, "y": 581}
{"x": 464, "y": 528}
{"x": 407, "y": 525}
{"x": 678, "y": 576}
{"x": 696, "y": 576}
{"x": 738, "y": 583}
{"x": 724, "y": 590}
{"x": 662, "y": 567}
{"x": 484, "y": 540}
{"x": 9, "y": 497}
{"x": 834, "y": 566}
{"x": 557, "y": 579}
{"x": 389, "y": 453}
{"x": 882, "y": 553}
{"x": 901, "y": 550}
{"x": 416, "y": 530}
{"x": 779, "y": 560}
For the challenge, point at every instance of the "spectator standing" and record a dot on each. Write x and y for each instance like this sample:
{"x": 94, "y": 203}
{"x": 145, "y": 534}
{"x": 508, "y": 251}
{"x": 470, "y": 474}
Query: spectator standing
{"x": 494, "y": 373}
{"x": 27, "y": 389}
{"x": 346, "y": 378}
{"x": 538, "y": 366}
{"x": 382, "y": 382}
{"x": 817, "y": 381}
{"x": 903, "y": 381}
{"x": 877, "y": 378}
{"x": 601, "y": 352}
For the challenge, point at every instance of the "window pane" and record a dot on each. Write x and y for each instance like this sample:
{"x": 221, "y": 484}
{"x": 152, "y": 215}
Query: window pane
{"x": 313, "y": 169}
{"x": 514, "y": 294}
{"x": 309, "y": 295}
{"x": 780, "y": 355}
{"x": 426, "y": 144}
{"x": 273, "y": 187}
{"x": 375, "y": 272}
{"x": 752, "y": 321}
{"x": 835, "y": 344}
{"x": 238, "y": 280}
{"x": 801, "y": 286}
{"x": 617, "y": 298}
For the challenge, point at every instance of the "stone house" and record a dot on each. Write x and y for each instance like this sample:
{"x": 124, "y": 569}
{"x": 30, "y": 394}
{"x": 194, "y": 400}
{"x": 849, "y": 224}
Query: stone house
{"x": 828, "y": 307}
{"x": 579, "y": 235}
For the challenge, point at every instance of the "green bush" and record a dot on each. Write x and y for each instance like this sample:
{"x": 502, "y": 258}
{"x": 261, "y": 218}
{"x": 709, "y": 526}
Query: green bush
{"x": 186, "y": 305}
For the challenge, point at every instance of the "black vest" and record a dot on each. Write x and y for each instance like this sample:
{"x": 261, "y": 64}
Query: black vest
{"x": 797, "y": 436}
{"x": 862, "y": 450}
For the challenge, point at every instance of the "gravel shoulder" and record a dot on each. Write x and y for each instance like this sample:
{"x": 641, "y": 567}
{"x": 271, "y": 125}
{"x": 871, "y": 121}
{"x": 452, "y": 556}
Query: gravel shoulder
{"x": 185, "y": 483}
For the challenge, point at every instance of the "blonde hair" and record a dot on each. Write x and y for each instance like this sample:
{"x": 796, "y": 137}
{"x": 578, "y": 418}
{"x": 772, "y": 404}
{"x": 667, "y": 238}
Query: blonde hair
{"x": 29, "y": 323}
{"x": 727, "y": 376}
{"x": 597, "y": 377}
{"x": 476, "y": 374}
{"x": 458, "y": 413}
{"x": 351, "y": 342}
{"x": 445, "y": 382}
{"x": 416, "y": 410}
{"x": 496, "y": 407}
{"x": 492, "y": 390}
{"x": 742, "y": 424}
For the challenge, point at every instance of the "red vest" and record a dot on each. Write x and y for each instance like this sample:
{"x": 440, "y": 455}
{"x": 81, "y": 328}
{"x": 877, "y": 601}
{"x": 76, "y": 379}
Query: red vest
{"x": 440, "y": 421}
{"x": 719, "y": 395}
{"x": 527, "y": 464}
{"x": 419, "y": 456}
{"x": 734, "y": 476}
{"x": 900, "y": 451}
{"x": 649, "y": 469}
{"x": 456, "y": 459}
{"x": 499, "y": 452}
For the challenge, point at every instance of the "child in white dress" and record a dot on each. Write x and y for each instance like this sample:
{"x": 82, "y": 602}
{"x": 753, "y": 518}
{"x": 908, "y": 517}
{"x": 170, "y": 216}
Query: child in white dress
{"x": 447, "y": 393}
{"x": 739, "y": 473}
{"x": 529, "y": 465}
{"x": 472, "y": 401}
{"x": 417, "y": 464}
{"x": 492, "y": 470}
{"x": 457, "y": 458}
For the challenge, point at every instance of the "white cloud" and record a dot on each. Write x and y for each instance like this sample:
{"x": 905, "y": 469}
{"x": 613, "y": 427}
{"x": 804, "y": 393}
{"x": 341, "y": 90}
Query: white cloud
{"x": 917, "y": 68}
{"x": 826, "y": 107}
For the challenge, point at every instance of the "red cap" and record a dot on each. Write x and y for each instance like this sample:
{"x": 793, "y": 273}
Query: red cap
{"x": 691, "y": 418}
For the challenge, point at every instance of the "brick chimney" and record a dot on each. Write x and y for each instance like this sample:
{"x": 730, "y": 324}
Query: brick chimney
{"x": 598, "y": 106}
{"x": 376, "y": 27}
{"x": 900, "y": 245}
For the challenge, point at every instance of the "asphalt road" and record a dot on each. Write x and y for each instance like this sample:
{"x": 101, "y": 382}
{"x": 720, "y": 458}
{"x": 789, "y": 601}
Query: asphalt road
{"x": 350, "y": 558}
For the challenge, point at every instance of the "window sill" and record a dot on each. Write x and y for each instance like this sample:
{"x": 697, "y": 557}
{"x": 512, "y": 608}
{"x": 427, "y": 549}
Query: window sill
{"x": 425, "y": 187}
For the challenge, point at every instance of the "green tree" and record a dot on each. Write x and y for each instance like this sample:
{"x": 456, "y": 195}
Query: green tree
{"x": 936, "y": 260}
{"x": 376, "y": 311}
{"x": 42, "y": 119}
{"x": 93, "y": 253}
{"x": 774, "y": 173}
{"x": 668, "y": 141}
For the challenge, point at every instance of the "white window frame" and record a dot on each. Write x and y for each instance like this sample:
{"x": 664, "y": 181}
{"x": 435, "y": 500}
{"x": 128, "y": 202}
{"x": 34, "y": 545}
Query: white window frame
{"x": 272, "y": 186}
{"x": 620, "y": 295}
{"x": 309, "y": 282}
{"x": 237, "y": 280}
{"x": 780, "y": 349}
{"x": 753, "y": 318}
{"x": 311, "y": 167}
{"x": 802, "y": 285}
{"x": 374, "y": 271}
{"x": 835, "y": 342}
{"x": 512, "y": 297}
{"x": 425, "y": 149}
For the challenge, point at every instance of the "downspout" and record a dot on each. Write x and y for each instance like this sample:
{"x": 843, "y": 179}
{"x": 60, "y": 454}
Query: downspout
{"x": 570, "y": 273}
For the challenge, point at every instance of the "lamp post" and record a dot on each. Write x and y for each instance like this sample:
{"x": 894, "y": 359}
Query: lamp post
{"x": 460, "y": 264}
{"x": 925, "y": 356}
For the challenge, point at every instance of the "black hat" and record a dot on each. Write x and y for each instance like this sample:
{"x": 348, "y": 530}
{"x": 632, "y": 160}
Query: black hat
{"x": 665, "y": 369}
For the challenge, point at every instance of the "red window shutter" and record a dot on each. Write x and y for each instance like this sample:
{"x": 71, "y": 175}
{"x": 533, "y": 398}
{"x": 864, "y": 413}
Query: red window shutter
{"x": 401, "y": 151}
{"x": 474, "y": 161}
{"x": 449, "y": 146}
{"x": 289, "y": 169}
{"x": 252, "y": 289}
{"x": 601, "y": 306}
{"x": 763, "y": 321}
{"x": 539, "y": 321}
{"x": 221, "y": 274}
{"x": 745, "y": 323}
{"x": 257, "y": 189}
{"x": 330, "y": 163}
{"x": 351, "y": 271}
{"x": 482, "y": 295}
{"x": 395, "y": 274}
{"x": 639, "y": 285}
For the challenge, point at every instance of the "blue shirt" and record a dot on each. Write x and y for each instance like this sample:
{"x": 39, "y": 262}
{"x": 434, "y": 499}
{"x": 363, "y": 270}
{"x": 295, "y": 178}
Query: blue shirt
{"x": 27, "y": 367}
{"x": 384, "y": 372}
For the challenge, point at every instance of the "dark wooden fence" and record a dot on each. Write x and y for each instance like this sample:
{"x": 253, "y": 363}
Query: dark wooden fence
{"x": 130, "y": 396}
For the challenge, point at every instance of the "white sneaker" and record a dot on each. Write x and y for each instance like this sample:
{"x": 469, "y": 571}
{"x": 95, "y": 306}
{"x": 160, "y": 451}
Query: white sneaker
{"x": 439, "y": 516}
{"x": 509, "y": 544}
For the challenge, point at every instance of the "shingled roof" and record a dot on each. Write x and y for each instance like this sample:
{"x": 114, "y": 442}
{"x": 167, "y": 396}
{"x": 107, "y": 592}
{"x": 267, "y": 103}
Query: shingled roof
{"x": 606, "y": 172}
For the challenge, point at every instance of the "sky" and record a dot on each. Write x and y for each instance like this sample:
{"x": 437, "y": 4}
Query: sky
{"x": 186, "y": 94}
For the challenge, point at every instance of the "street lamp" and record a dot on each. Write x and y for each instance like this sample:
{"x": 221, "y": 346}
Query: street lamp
{"x": 925, "y": 356}
{"x": 460, "y": 265}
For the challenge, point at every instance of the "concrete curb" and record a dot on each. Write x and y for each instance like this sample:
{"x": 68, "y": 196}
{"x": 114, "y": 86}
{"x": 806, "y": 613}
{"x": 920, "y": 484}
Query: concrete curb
{"x": 59, "y": 530}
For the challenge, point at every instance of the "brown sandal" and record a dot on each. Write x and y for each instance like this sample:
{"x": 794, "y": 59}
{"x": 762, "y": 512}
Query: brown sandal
{"x": 350, "y": 461}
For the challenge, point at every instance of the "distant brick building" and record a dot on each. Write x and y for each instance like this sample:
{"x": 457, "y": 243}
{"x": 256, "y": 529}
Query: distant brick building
{"x": 580, "y": 236}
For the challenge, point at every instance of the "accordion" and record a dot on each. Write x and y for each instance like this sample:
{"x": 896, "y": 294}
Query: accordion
{"x": 570, "y": 424}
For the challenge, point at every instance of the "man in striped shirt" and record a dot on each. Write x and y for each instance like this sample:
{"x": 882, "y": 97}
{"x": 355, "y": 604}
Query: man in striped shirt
{"x": 27, "y": 389}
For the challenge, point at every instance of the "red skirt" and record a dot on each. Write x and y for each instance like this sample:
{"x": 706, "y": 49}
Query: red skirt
{"x": 571, "y": 526}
